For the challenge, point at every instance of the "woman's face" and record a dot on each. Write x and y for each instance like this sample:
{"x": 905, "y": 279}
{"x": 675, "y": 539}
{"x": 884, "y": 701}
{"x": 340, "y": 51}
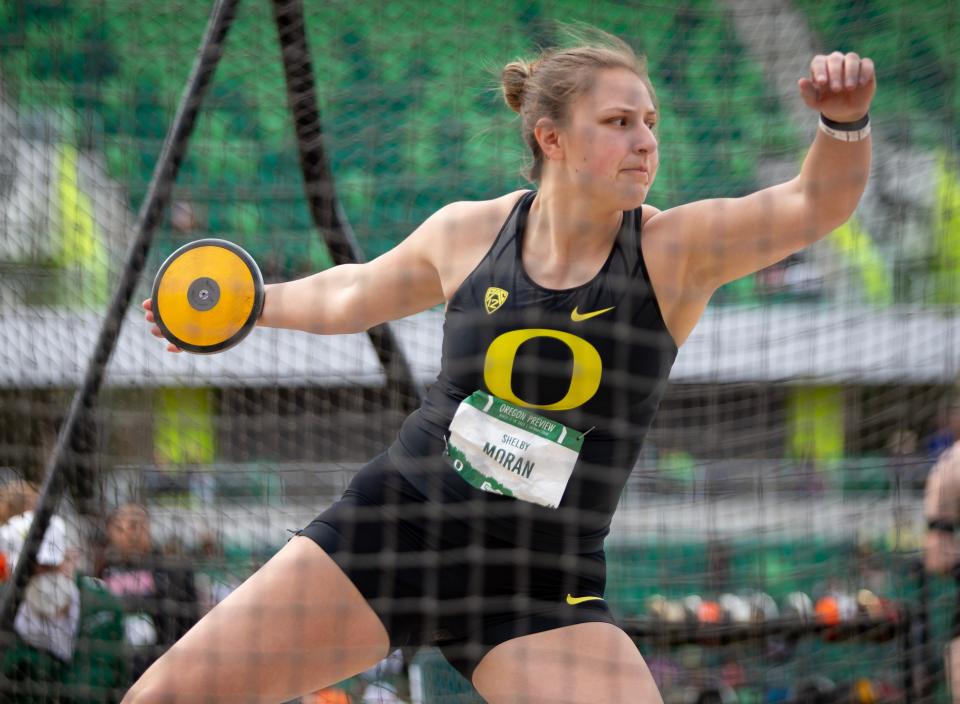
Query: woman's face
{"x": 610, "y": 148}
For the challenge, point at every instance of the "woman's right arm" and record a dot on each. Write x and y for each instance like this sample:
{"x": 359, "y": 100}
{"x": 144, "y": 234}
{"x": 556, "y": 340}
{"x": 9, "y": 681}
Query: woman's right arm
{"x": 355, "y": 297}
{"x": 411, "y": 277}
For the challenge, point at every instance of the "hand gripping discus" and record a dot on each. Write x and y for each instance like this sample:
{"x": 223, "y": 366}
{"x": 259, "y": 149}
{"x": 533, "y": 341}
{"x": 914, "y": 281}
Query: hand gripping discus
{"x": 207, "y": 296}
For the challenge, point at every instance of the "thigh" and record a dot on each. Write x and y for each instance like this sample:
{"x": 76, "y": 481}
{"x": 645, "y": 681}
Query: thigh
{"x": 584, "y": 663}
{"x": 381, "y": 535}
{"x": 298, "y": 624}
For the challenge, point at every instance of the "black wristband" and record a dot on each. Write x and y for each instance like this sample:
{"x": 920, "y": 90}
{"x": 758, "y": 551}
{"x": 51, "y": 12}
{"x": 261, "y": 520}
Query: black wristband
{"x": 941, "y": 525}
{"x": 846, "y": 126}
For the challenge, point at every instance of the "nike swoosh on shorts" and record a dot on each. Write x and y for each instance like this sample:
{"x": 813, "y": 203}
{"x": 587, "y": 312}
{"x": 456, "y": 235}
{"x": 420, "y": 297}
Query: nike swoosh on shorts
{"x": 574, "y": 600}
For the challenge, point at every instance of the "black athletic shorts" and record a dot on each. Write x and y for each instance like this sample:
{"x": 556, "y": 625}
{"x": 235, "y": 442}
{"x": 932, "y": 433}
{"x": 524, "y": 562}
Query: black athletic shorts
{"x": 436, "y": 579}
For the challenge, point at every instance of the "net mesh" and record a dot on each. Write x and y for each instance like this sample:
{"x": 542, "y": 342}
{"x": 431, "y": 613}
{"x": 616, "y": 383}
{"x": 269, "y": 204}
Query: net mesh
{"x": 790, "y": 448}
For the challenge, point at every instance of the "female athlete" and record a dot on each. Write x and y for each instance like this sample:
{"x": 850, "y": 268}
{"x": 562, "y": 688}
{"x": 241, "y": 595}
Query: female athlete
{"x": 480, "y": 530}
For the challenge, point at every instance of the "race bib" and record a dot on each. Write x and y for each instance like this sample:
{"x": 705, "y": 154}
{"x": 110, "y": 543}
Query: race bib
{"x": 503, "y": 449}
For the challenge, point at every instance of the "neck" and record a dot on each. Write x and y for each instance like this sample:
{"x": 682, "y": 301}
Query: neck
{"x": 566, "y": 239}
{"x": 561, "y": 225}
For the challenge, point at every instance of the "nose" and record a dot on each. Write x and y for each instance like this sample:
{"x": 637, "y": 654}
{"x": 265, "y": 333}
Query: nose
{"x": 646, "y": 140}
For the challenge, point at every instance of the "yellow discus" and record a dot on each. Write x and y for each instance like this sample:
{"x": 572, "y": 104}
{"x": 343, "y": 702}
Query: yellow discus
{"x": 207, "y": 296}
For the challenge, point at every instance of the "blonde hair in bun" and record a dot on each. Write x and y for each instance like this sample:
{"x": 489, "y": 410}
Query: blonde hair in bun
{"x": 548, "y": 85}
{"x": 514, "y": 78}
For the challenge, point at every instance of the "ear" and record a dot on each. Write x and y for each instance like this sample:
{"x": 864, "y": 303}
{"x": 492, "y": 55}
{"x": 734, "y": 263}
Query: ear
{"x": 547, "y": 134}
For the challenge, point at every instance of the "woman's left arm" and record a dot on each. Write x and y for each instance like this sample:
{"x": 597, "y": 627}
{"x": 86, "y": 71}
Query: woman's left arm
{"x": 720, "y": 240}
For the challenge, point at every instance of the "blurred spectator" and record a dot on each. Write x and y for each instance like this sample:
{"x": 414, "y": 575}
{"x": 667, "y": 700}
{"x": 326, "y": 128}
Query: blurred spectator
{"x": 381, "y": 693}
{"x": 183, "y": 219}
{"x": 330, "y": 695}
{"x": 50, "y": 610}
{"x": 386, "y": 682}
{"x": 213, "y": 577}
{"x": 158, "y": 591}
{"x": 68, "y": 629}
{"x": 908, "y": 468}
{"x": 16, "y": 497}
{"x": 383, "y": 683}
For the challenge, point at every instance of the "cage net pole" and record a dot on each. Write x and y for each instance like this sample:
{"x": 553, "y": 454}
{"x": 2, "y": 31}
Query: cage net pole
{"x": 158, "y": 193}
{"x": 325, "y": 208}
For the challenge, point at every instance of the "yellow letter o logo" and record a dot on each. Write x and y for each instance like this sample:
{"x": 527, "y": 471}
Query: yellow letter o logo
{"x": 587, "y": 368}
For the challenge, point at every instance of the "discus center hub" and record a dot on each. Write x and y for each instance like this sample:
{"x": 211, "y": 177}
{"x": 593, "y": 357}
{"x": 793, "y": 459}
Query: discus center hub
{"x": 203, "y": 294}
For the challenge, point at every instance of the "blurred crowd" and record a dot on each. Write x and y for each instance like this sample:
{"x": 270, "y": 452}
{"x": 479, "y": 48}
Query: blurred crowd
{"x": 96, "y": 611}
{"x": 99, "y": 609}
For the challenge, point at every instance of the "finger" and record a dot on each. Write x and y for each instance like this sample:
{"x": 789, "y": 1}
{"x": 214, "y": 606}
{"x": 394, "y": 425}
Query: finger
{"x": 867, "y": 71}
{"x": 835, "y": 71}
{"x": 818, "y": 70}
{"x": 155, "y": 331}
{"x": 149, "y": 317}
{"x": 173, "y": 348}
{"x": 147, "y": 304}
{"x": 851, "y": 70}
{"x": 809, "y": 92}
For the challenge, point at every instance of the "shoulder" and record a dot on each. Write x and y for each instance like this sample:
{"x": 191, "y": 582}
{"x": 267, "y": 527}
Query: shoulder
{"x": 458, "y": 235}
{"x": 657, "y": 244}
{"x": 647, "y": 212}
{"x": 472, "y": 214}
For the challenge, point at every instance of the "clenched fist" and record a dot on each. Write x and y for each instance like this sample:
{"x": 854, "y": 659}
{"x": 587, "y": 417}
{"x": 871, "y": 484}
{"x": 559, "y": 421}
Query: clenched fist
{"x": 841, "y": 86}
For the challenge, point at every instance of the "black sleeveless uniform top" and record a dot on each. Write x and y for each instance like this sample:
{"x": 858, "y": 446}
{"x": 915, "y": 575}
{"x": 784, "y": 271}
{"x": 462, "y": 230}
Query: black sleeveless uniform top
{"x": 595, "y": 357}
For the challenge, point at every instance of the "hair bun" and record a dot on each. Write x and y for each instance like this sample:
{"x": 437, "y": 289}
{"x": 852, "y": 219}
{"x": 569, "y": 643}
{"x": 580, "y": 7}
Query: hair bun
{"x": 514, "y": 79}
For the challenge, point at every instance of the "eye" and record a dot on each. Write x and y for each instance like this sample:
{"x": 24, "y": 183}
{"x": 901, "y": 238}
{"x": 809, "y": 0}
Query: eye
{"x": 618, "y": 121}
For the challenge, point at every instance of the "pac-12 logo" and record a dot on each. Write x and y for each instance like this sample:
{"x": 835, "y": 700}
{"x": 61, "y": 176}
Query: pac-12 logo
{"x": 494, "y": 298}
{"x": 584, "y": 381}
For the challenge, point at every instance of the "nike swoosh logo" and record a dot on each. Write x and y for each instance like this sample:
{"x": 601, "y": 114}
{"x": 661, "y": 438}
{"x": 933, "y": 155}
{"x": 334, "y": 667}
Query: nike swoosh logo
{"x": 574, "y": 600}
{"x": 577, "y": 316}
